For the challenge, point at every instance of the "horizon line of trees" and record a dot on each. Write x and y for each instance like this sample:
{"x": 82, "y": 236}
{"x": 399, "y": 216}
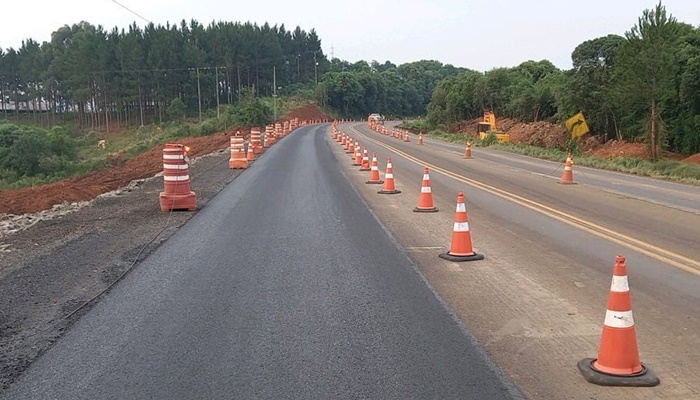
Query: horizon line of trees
{"x": 125, "y": 77}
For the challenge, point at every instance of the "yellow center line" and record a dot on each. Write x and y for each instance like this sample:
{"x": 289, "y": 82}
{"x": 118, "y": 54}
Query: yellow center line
{"x": 648, "y": 249}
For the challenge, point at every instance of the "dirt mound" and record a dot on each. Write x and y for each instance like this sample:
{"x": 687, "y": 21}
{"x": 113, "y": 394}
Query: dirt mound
{"x": 614, "y": 148}
{"x": 309, "y": 111}
{"x": 541, "y": 133}
{"x": 121, "y": 172}
{"x": 695, "y": 159}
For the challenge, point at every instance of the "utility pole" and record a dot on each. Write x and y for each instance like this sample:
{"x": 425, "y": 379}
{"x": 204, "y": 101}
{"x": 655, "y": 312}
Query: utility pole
{"x": 274, "y": 90}
{"x": 199, "y": 96}
{"x": 140, "y": 102}
{"x": 315, "y": 69}
{"x": 217, "y": 92}
{"x": 238, "y": 66}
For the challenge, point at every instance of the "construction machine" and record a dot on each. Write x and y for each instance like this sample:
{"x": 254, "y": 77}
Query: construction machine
{"x": 488, "y": 126}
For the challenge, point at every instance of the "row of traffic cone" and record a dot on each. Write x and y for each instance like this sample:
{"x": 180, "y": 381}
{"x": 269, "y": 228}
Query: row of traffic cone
{"x": 618, "y": 362}
{"x": 461, "y": 248}
{"x": 566, "y": 179}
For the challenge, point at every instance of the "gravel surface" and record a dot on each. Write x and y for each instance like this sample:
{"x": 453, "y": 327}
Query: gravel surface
{"x": 54, "y": 262}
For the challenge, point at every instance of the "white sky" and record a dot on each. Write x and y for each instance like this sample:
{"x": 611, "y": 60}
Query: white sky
{"x": 477, "y": 34}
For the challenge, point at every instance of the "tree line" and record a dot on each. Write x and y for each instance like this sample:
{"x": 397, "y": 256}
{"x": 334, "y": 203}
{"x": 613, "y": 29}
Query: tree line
{"x": 361, "y": 88}
{"x": 123, "y": 77}
{"x": 643, "y": 85}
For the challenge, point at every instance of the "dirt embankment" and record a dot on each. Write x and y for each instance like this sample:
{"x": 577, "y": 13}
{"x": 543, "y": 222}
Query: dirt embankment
{"x": 549, "y": 135}
{"x": 120, "y": 172}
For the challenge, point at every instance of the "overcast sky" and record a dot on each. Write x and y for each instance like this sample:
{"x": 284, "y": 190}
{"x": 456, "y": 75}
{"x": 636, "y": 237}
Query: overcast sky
{"x": 477, "y": 34}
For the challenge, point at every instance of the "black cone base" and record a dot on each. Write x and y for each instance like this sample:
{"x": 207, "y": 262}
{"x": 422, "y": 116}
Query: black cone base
{"x": 450, "y": 257}
{"x": 645, "y": 378}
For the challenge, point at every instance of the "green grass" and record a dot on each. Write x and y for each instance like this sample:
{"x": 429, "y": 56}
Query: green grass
{"x": 665, "y": 169}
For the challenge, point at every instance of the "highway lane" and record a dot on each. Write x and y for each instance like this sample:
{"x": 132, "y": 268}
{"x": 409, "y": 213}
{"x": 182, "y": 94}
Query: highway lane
{"x": 667, "y": 232}
{"x": 547, "y": 277}
{"x": 676, "y": 195}
{"x": 284, "y": 286}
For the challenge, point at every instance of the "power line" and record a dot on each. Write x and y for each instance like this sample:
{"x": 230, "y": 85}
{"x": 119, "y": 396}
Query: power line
{"x": 131, "y": 11}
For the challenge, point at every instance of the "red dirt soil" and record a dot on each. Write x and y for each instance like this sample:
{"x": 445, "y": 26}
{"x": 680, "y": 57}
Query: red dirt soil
{"x": 549, "y": 135}
{"x": 120, "y": 173}
{"x": 695, "y": 159}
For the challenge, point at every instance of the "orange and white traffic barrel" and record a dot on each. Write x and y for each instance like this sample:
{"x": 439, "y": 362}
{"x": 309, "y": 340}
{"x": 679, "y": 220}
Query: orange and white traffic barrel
{"x": 177, "y": 194}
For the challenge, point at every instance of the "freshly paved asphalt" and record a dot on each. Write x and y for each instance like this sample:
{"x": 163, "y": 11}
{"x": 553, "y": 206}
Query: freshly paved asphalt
{"x": 283, "y": 286}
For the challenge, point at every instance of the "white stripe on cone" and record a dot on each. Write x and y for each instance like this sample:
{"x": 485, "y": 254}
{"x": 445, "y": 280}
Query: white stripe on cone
{"x": 175, "y": 166}
{"x": 173, "y": 157}
{"x": 389, "y": 176}
{"x": 619, "y": 284}
{"x": 619, "y": 319}
{"x": 461, "y": 207}
{"x": 426, "y": 177}
{"x": 374, "y": 168}
{"x": 176, "y": 178}
{"x": 425, "y": 189}
{"x": 461, "y": 227}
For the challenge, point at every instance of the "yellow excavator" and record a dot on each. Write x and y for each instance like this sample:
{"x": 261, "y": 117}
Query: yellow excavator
{"x": 488, "y": 126}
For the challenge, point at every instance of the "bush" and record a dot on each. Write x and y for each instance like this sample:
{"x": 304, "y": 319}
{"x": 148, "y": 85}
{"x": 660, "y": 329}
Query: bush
{"x": 489, "y": 140}
{"x": 176, "y": 110}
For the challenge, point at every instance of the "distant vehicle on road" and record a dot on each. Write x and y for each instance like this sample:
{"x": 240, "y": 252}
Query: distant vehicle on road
{"x": 376, "y": 117}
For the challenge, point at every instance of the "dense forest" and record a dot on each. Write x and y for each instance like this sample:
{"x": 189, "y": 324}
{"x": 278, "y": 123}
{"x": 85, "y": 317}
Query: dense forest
{"x": 132, "y": 76}
{"x": 361, "y": 88}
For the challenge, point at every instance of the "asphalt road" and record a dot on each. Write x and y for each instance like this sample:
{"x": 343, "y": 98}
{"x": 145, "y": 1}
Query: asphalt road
{"x": 549, "y": 253}
{"x": 670, "y": 194}
{"x": 284, "y": 286}
{"x": 657, "y": 218}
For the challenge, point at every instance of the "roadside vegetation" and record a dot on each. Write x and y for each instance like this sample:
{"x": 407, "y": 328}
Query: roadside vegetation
{"x": 31, "y": 155}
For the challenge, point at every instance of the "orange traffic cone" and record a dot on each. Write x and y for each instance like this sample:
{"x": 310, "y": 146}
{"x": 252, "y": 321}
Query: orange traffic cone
{"x": 351, "y": 148}
{"x": 420, "y": 139}
{"x": 406, "y": 137}
{"x": 365, "y": 161}
{"x": 461, "y": 248}
{"x": 567, "y": 178}
{"x": 425, "y": 201}
{"x": 374, "y": 177}
{"x": 468, "y": 150}
{"x": 389, "y": 186}
{"x": 356, "y": 150}
{"x": 618, "y": 357}
{"x": 358, "y": 156}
